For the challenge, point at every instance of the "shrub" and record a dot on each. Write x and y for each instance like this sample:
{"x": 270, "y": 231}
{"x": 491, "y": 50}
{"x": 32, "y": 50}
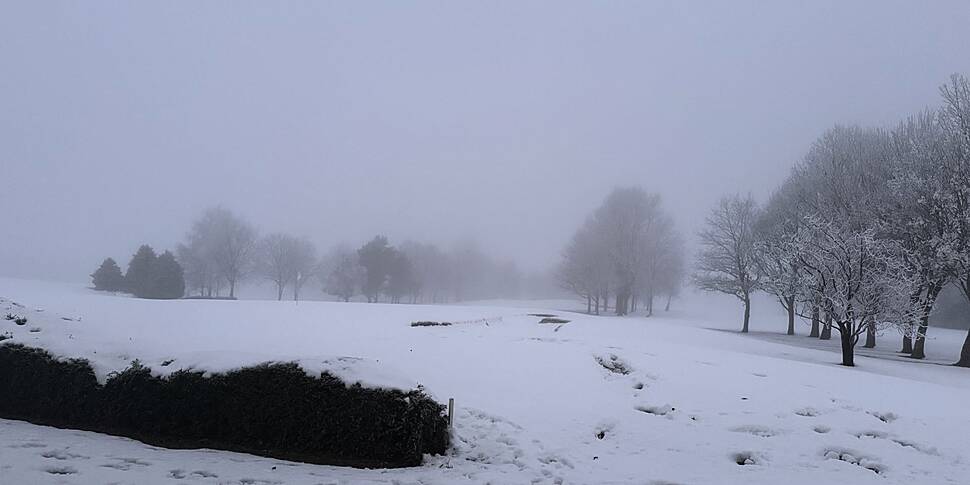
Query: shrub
{"x": 273, "y": 410}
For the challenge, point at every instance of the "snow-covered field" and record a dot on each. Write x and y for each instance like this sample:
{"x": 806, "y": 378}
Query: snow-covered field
{"x": 536, "y": 403}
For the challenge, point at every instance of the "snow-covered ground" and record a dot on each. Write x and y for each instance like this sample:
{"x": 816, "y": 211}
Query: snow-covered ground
{"x": 536, "y": 402}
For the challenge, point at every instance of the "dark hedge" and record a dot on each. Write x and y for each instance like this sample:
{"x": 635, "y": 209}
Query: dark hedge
{"x": 274, "y": 410}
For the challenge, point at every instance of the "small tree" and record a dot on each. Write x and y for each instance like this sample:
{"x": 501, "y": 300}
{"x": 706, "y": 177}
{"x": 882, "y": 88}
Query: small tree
{"x": 140, "y": 278}
{"x": 108, "y": 277}
{"x": 340, "y": 273}
{"x": 727, "y": 262}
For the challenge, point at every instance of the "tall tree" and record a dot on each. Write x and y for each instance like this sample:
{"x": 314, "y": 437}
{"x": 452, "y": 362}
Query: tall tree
{"x": 375, "y": 257}
{"x": 168, "y": 278}
{"x": 727, "y": 262}
{"x": 140, "y": 277}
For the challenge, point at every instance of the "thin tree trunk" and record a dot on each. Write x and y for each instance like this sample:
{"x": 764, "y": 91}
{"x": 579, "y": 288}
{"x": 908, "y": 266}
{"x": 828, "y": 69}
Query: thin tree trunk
{"x": 747, "y": 313}
{"x": 790, "y": 305}
{"x": 826, "y": 328}
{"x": 589, "y": 308}
{"x": 279, "y": 292}
{"x": 667, "y": 307}
{"x": 815, "y": 322}
{"x": 870, "y": 335}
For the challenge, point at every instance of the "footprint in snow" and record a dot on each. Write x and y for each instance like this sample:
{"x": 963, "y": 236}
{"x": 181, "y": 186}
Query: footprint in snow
{"x": 884, "y": 417}
{"x": 854, "y": 458}
{"x": 61, "y": 470}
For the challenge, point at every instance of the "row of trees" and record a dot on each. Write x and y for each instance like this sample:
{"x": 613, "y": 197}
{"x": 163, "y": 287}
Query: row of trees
{"x": 149, "y": 275}
{"x": 865, "y": 233}
{"x": 221, "y": 250}
{"x": 627, "y": 248}
{"x": 416, "y": 272}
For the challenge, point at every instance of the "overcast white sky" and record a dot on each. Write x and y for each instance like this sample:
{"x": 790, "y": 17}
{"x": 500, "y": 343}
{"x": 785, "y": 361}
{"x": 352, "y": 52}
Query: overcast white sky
{"x": 501, "y": 121}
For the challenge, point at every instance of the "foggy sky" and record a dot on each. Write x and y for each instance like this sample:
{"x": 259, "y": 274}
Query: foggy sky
{"x": 506, "y": 122}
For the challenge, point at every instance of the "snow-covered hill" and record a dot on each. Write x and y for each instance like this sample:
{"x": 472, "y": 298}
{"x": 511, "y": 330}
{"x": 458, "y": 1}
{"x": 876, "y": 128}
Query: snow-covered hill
{"x": 661, "y": 400}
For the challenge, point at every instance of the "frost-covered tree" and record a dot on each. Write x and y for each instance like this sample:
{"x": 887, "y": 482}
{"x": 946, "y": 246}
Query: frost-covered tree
{"x": 860, "y": 279}
{"x": 777, "y": 255}
{"x": 728, "y": 259}
{"x": 922, "y": 216}
{"x": 108, "y": 277}
{"x": 955, "y": 120}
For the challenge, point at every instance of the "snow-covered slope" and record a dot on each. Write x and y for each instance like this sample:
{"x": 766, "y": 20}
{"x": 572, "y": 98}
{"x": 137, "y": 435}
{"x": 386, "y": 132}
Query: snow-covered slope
{"x": 536, "y": 402}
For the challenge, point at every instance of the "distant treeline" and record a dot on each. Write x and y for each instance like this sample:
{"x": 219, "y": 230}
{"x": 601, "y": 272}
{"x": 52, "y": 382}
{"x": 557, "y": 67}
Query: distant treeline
{"x": 222, "y": 250}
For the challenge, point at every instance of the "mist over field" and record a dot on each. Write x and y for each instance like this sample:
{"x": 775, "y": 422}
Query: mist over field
{"x": 428, "y": 242}
{"x": 505, "y": 124}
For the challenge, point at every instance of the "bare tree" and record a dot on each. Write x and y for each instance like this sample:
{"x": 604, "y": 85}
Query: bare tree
{"x": 220, "y": 246}
{"x": 727, "y": 262}
{"x": 286, "y": 260}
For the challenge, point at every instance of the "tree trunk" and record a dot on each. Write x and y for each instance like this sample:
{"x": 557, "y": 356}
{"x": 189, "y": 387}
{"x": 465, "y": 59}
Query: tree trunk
{"x": 815, "y": 322}
{"x": 907, "y": 344}
{"x": 790, "y": 305}
{"x": 965, "y": 353}
{"x": 870, "y": 335}
{"x": 667, "y": 307}
{"x": 589, "y": 304}
{"x": 747, "y": 314}
{"x": 232, "y": 289}
{"x": 919, "y": 346}
{"x": 279, "y": 292}
{"x": 826, "y": 328}
{"x": 848, "y": 353}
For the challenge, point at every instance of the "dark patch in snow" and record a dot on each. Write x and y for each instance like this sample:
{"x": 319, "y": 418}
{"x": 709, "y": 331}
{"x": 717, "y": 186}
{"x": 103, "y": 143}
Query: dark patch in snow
{"x": 756, "y": 430}
{"x": 542, "y": 315}
{"x": 430, "y": 324}
{"x": 553, "y": 320}
{"x": 884, "y": 417}
{"x": 822, "y": 429}
{"x": 746, "y": 458}
{"x": 176, "y": 474}
{"x": 61, "y": 470}
{"x": 205, "y": 474}
{"x": 614, "y": 364}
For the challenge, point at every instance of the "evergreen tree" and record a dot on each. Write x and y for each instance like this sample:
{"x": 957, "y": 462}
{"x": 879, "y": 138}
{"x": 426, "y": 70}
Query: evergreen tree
{"x": 140, "y": 278}
{"x": 108, "y": 277}
{"x": 168, "y": 278}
